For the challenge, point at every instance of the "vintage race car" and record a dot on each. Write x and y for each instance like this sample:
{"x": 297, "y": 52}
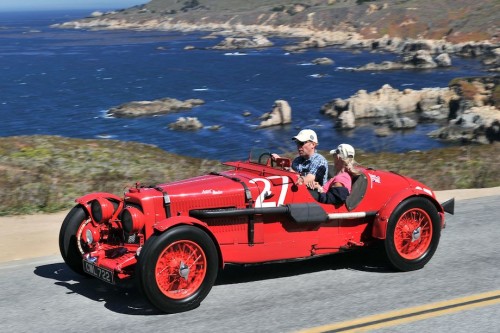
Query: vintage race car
{"x": 175, "y": 237}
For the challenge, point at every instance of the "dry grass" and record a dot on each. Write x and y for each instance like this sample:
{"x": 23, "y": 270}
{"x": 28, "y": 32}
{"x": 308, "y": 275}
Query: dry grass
{"x": 473, "y": 166}
{"x": 46, "y": 173}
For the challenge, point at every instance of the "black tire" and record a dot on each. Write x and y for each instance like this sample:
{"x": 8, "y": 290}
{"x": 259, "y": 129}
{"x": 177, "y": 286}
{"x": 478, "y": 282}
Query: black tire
{"x": 173, "y": 248}
{"x": 413, "y": 233}
{"x": 68, "y": 239}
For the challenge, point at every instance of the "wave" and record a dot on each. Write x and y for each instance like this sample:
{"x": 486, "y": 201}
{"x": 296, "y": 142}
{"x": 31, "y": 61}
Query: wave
{"x": 105, "y": 136}
{"x": 104, "y": 114}
{"x": 340, "y": 68}
{"x": 235, "y": 54}
{"x": 318, "y": 76}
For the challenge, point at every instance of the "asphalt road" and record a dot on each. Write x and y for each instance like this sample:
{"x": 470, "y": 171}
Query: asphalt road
{"x": 43, "y": 295}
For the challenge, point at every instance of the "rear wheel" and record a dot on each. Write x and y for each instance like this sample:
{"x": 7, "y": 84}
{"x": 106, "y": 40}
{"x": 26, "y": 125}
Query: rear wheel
{"x": 177, "y": 269}
{"x": 413, "y": 234}
{"x": 70, "y": 243}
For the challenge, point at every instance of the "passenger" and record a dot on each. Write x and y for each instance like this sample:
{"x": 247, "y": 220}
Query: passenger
{"x": 338, "y": 188}
{"x": 312, "y": 166}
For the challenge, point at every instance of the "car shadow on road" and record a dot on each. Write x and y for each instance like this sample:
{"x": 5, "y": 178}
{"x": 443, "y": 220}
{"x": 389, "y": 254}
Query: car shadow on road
{"x": 361, "y": 260}
{"x": 123, "y": 297}
{"x": 126, "y": 298}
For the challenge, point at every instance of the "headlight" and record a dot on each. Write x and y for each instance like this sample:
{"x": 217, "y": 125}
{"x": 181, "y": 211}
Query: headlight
{"x": 132, "y": 220}
{"x": 90, "y": 234}
{"x": 90, "y": 237}
{"x": 102, "y": 210}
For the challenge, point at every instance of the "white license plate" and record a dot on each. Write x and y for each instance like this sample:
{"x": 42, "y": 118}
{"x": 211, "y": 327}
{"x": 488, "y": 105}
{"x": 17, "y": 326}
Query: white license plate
{"x": 101, "y": 273}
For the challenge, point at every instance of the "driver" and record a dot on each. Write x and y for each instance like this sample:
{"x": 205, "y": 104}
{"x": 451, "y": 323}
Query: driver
{"x": 312, "y": 166}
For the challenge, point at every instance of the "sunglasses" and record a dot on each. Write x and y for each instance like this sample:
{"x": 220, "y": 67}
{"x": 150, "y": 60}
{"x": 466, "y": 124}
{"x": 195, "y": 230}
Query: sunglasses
{"x": 300, "y": 143}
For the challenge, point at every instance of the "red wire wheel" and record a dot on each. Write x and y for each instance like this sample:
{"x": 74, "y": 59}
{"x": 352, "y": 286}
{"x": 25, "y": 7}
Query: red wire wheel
{"x": 413, "y": 233}
{"x": 181, "y": 269}
{"x": 177, "y": 268}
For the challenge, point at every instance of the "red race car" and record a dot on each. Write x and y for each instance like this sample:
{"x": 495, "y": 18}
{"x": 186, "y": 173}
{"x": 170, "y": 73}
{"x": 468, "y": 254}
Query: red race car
{"x": 175, "y": 237}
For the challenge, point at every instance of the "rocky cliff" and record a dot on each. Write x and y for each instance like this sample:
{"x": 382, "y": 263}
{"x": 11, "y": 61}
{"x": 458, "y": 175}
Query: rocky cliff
{"x": 464, "y": 27}
{"x": 454, "y": 21}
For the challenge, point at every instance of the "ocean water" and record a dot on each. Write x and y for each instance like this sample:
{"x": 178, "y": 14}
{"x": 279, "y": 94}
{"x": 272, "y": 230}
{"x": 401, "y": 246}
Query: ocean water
{"x": 61, "y": 82}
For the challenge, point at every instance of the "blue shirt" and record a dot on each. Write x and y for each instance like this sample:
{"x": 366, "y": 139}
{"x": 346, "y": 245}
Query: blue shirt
{"x": 316, "y": 165}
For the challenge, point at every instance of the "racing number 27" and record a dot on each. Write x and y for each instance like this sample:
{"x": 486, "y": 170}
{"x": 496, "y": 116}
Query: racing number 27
{"x": 266, "y": 191}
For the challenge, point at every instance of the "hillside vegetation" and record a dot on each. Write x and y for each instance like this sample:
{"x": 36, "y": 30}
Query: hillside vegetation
{"x": 46, "y": 173}
{"x": 453, "y": 20}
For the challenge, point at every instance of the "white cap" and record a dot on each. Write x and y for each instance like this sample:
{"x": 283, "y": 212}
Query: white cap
{"x": 306, "y": 135}
{"x": 344, "y": 150}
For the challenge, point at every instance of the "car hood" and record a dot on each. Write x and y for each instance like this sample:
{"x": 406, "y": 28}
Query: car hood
{"x": 210, "y": 192}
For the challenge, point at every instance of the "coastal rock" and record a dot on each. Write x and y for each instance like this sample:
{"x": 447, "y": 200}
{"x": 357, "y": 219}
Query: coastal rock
{"x": 443, "y": 60}
{"x": 382, "y": 131}
{"x": 389, "y": 104}
{"x": 311, "y": 42}
{"x": 281, "y": 114}
{"x": 96, "y": 14}
{"x": 214, "y": 127}
{"x": 439, "y": 113}
{"x": 346, "y": 120}
{"x": 234, "y": 43}
{"x": 477, "y": 91}
{"x": 474, "y": 113}
{"x": 477, "y": 125}
{"x": 399, "y": 123}
{"x": 421, "y": 59}
{"x": 383, "y": 66}
{"x": 150, "y": 108}
{"x": 472, "y": 49}
{"x": 387, "y": 101}
{"x": 492, "y": 60}
{"x": 322, "y": 61}
{"x": 335, "y": 107}
{"x": 186, "y": 124}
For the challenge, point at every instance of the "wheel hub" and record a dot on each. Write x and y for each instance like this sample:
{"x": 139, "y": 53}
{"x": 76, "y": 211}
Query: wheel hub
{"x": 416, "y": 234}
{"x": 184, "y": 271}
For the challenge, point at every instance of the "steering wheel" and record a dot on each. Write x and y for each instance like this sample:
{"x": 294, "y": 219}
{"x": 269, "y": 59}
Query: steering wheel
{"x": 268, "y": 156}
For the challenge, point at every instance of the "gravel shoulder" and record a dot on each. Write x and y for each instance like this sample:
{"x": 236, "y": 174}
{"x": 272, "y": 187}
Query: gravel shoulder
{"x": 31, "y": 236}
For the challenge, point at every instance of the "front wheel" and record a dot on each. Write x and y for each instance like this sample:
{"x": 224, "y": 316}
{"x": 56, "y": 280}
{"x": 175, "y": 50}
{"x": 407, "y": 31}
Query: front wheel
{"x": 177, "y": 269}
{"x": 70, "y": 240}
{"x": 413, "y": 234}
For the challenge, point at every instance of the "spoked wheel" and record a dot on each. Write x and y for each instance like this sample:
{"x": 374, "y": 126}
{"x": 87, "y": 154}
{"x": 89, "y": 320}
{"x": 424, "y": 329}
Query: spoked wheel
{"x": 177, "y": 269}
{"x": 413, "y": 234}
{"x": 71, "y": 245}
{"x": 180, "y": 269}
